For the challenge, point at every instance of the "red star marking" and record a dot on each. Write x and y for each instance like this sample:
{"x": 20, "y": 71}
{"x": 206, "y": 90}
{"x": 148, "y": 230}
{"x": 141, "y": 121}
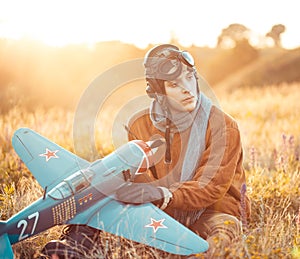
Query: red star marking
{"x": 156, "y": 224}
{"x": 49, "y": 154}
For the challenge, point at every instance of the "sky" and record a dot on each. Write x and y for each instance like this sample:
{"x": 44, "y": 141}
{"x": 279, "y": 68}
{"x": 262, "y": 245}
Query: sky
{"x": 141, "y": 22}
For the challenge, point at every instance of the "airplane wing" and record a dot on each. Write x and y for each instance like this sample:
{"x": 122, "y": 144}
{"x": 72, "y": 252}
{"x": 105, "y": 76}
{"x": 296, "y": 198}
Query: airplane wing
{"x": 48, "y": 162}
{"x": 149, "y": 225}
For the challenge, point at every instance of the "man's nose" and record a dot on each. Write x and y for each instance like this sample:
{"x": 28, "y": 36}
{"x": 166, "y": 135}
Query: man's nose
{"x": 184, "y": 89}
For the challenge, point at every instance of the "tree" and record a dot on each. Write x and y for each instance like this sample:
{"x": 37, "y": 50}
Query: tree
{"x": 275, "y": 34}
{"x": 233, "y": 34}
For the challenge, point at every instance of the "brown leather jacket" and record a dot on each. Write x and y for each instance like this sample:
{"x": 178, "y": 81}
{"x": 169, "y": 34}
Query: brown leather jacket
{"x": 217, "y": 182}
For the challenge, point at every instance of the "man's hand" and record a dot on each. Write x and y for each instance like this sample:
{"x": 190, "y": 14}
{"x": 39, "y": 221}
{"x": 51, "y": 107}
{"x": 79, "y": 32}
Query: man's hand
{"x": 138, "y": 193}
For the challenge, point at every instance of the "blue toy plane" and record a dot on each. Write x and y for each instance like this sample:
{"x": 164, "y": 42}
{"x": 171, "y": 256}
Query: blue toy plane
{"x": 79, "y": 192}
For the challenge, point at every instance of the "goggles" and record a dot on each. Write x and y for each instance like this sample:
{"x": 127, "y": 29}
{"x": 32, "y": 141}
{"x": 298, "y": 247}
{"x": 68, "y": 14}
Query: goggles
{"x": 168, "y": 65}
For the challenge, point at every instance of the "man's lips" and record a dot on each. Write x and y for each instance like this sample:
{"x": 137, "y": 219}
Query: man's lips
{"x": 188, "y": 99}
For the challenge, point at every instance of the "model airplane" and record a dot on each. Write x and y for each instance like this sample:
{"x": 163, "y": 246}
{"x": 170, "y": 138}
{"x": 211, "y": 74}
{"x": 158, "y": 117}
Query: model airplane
{"x": 79, "y": 192}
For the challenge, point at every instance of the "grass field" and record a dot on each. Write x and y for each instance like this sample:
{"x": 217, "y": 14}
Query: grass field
{"x": 268, "y": 118}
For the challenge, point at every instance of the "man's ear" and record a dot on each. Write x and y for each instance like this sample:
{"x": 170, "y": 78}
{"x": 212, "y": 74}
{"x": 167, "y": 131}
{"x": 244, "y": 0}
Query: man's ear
{"x": 150, "y": 92}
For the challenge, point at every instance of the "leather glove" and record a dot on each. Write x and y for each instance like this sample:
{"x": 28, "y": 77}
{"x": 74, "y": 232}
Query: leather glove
{"x": 138, "y": 193}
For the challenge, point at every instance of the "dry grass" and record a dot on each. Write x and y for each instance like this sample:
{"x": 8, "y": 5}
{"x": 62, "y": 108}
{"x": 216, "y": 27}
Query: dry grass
{"x": 270, "y": 128}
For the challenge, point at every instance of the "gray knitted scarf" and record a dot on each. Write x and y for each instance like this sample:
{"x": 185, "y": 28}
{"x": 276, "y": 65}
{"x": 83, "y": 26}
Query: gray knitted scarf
{"x": 197, "y": 121}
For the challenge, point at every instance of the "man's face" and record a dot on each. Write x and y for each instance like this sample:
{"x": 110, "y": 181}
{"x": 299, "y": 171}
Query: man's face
{"x": 182, "y": 91}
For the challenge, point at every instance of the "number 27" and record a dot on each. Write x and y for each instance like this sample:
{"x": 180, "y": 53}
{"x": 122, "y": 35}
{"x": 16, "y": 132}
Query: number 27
{"x": 23, "y": 224}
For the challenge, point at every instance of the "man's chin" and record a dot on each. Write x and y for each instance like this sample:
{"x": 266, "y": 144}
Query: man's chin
{"x": 190, "y": 107}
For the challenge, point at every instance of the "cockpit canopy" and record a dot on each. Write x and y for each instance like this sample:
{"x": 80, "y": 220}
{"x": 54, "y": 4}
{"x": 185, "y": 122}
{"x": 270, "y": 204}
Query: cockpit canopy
{"x": 71, "y": 185}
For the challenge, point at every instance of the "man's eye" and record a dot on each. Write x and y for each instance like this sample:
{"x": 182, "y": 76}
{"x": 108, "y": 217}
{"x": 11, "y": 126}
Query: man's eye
{"x": 173, "y": 85}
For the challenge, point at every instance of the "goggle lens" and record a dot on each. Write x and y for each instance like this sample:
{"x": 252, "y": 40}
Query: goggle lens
{"x": 188, "y": 58}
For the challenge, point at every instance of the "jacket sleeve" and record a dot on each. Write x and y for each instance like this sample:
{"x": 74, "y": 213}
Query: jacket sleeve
{"x": 133, "y": 132}
{"x": 214, "y": 174}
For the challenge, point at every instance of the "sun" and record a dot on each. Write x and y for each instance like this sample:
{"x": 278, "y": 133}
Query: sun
{"x": 55, "y": 23}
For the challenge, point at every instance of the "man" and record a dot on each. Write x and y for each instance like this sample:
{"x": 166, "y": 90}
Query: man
{"x": 199, "y": 180}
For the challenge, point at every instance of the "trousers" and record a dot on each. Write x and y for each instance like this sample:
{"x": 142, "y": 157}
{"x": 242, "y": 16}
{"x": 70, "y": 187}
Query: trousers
{"x": 218, "y": 229}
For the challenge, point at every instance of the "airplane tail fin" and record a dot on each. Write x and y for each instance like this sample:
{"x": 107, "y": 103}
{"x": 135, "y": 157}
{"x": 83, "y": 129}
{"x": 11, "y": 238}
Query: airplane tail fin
{"x": 6, "y": 251}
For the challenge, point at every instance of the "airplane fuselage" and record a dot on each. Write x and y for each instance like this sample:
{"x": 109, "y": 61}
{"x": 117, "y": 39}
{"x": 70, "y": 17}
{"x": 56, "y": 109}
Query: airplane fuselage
{"x": 48, "y": 212}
